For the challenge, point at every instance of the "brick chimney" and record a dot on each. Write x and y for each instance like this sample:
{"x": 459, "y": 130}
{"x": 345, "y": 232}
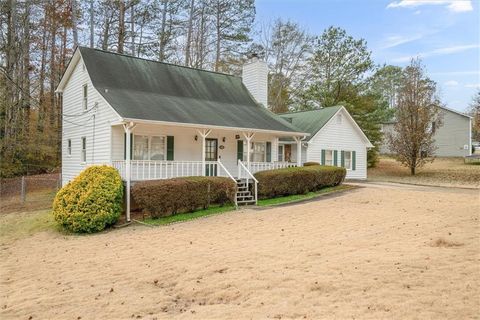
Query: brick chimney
{"x": 255, "y": 78}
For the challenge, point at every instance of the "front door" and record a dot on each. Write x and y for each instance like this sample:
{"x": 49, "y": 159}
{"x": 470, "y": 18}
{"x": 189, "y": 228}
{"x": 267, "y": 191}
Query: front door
{"x": 288, "y": 152}
{"x": 211, "y": 154}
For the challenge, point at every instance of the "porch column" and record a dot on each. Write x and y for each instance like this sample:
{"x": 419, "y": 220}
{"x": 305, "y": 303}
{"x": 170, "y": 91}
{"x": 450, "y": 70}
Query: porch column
{"x": 128, "y": 127}
{"x": 248, "y": 136}
{"x": 299, "y": 150}
{"x": 203, "y": 133}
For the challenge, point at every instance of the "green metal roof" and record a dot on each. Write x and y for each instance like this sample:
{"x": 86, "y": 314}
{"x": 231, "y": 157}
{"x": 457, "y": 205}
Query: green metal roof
{"x": 148, "y": 90}
{"x": 310, "y": 121}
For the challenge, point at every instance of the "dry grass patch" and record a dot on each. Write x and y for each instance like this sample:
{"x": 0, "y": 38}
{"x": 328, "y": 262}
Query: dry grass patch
{"x": 441, "y": 172}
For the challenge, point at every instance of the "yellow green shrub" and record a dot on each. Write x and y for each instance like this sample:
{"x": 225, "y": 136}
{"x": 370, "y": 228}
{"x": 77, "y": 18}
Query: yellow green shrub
{"x": 90, "y": 202}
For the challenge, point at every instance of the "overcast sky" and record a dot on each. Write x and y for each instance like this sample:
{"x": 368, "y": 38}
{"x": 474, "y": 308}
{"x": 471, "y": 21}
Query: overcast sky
{"x": 444, "y": 33}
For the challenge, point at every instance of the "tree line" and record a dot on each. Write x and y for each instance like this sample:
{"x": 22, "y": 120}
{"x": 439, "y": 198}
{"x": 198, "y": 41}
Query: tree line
{"x": 306, "y": 71}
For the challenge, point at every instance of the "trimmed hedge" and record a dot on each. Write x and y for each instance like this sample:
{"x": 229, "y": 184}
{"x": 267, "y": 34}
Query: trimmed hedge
{"x": 311, "y": 163}
{"x": 162, "y": 198}
{"x": 90, "y": 202}
{"x": 297, "y": 180}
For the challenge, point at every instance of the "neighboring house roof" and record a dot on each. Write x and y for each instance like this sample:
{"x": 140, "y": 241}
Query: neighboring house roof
{"x": 310, "y": 121}
{"x": 140, "y": 89}
{"x": 313, "y": 121}
{"x": 393, "y": 121}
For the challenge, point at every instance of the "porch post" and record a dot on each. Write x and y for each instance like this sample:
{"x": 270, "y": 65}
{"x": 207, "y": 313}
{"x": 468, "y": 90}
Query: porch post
{"x": 128, "y": 127}
{"x": 299, "y": 150}
{"x": 248, "y": 136}
{"x": 203, "y": 133}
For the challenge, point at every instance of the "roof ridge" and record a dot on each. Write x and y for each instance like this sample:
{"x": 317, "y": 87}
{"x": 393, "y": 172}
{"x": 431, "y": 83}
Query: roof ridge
{"x": 155, "y": 61}
{"x": 295, "y": 112}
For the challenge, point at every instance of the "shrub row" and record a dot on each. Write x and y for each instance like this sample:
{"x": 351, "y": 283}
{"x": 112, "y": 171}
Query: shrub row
{"x": 161, "y": 198}
{"x": 311, "y": 163}
{"x": 297, "y": 180}
{"x": 91, "y": 201}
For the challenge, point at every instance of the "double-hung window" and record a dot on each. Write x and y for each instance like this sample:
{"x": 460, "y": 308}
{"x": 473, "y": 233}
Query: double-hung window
{"x": 83, "y": 154}
{"x": 347, "y": 159}
{"x": 149, "y": 147}
{"x": 85, "y": 97}
{"x": 329, "y": 157}
{"x": 281, "y": 153}
{"x": 258, "y": 151}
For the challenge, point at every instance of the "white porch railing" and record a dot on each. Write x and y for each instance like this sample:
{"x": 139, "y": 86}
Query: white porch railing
{"x": 155, "y": 170}
{"x": 262, "y": 166}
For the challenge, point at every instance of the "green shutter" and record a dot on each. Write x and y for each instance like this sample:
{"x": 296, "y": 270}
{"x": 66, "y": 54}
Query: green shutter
{"x": 342, "y": 158}
{"x": 170, "y": 148}
{"x": 323, "y": 158}
{"x": 239, "y": 149}
{"x": 125, "y": 146}
{"x": 354, "y": 160}
{"x": 335, "y": 156}
{"x": 269, "y": 151}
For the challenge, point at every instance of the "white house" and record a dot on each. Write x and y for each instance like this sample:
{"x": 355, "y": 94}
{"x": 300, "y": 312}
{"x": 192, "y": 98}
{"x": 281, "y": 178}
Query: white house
{"x": 452, "y": 139}
{"x": 335, "y": 139}
{"x": 154, "y": 120}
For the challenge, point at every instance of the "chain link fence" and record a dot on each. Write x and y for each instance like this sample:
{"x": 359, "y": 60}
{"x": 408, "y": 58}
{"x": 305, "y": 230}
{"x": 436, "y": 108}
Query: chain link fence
{"x": 28, "y": 192}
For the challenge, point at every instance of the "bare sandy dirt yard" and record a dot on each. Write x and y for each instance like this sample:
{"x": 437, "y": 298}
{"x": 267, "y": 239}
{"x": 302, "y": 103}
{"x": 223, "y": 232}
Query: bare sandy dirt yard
{"x": 382, "y": 251}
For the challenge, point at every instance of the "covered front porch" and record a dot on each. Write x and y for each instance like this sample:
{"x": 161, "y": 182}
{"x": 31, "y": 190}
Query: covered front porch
{"x": 151, "y": 151}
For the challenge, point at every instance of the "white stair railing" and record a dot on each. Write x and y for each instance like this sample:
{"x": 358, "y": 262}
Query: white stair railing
{"x": 244, "y": 173}
{"x": 223, "y": 172}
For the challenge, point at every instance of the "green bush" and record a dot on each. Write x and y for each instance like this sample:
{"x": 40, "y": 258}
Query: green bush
{"x": 297, "y": 180}
{"x": 90, "y": 202}
{"x": 311, "y": 163}
{"x": 162, "y": 198}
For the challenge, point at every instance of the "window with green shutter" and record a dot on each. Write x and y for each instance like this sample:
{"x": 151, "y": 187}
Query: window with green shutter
{"x": 354, "y": 159}
{"x": 322, "y": 162}
{"x": 335, "y": 156}
{"x": 239, "y": 150}
{"x": 170, "y": 148}
{"x": 269, "y": 151}
{"x": 342, "y": 158}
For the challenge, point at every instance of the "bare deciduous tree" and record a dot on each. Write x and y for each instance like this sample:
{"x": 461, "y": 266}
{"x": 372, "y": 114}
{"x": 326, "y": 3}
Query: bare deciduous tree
{"x": 417, "y": 117}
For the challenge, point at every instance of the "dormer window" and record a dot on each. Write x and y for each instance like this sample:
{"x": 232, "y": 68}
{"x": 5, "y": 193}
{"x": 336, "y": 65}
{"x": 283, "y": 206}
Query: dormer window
{"x": 85, "y": 97}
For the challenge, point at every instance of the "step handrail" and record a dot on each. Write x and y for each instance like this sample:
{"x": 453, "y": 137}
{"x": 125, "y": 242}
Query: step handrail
{"x": 249, "y": 175}
{"x": 220, "y": 164}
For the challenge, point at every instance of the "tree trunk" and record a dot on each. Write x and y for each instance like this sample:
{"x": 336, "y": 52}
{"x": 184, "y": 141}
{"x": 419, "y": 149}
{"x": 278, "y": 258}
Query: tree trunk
{"x": 121, "y": 26}
{"x": 74, "y": 23}
{"x": 162, "y": 36}
{"x": 43, "y": 63}
{"x": 132, "y": 24}
{"x": 26, "y": 71}
{"x": 218, "y": 38}
{"x": 412, "y": 170}
{"x": 92, "y": 34}
{"x": 189, "y": 33}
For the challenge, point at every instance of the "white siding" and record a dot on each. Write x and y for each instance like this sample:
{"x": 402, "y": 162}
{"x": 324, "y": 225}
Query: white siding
{"x": 450, "y": 138}
{"x": 185, "y": 146}
{"x": 96, "y": 129}
{"x": 340, "y": 136}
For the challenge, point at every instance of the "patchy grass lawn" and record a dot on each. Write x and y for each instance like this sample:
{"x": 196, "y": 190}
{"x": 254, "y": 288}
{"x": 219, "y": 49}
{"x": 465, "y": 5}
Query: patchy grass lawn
{"x": 442, "y": 172}
{"x": 19, "y": 225}
{"x": 188, "y": 215}
{"x": 301, "y": 197}
{"x": 35, "y": 200}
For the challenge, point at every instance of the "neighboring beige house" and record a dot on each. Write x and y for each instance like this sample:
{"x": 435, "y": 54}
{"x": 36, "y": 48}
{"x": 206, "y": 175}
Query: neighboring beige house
{"x": 453, "y": 138}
